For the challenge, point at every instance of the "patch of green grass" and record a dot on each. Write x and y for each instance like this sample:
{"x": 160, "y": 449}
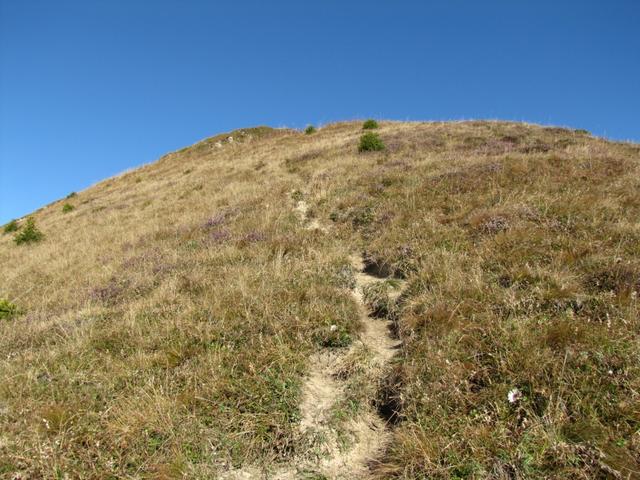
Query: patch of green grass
{"x": 370, "y": 142}
{"x": 67, "y": 207}
{"x": 310, "y": 129}
{"x": 7, "y": 309}
{"x": 29, "y": 233}
{"x": 333, "y": 336}
{"x": 10, "y": 227}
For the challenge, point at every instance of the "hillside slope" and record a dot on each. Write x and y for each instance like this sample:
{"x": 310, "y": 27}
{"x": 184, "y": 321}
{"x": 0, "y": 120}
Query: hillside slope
{"x": 462, "y": 304}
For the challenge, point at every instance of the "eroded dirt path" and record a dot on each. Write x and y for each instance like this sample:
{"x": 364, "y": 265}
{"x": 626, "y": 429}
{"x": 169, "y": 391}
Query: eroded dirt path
{"x": 323, "y": 389}
{"x": 377, "y": 332}
{"x": 302, "y": 208}
{"x": 367, "y": 432}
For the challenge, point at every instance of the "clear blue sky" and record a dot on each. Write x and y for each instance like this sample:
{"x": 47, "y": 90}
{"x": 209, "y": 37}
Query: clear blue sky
{"x": 89, "y": 88}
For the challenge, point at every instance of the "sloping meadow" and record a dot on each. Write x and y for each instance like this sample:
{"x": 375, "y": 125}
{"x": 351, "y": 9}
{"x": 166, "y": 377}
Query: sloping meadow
{"x": 519, "y": 323}
{"x": 165, "y": 324}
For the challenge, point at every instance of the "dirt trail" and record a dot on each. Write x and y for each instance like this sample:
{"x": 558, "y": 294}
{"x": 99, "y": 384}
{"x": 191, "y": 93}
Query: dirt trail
{"x": 319, "y": 393}
{"x": 377, "y": 332}
{"x": 302, "y": 208}
{"x": 323, "y": 388}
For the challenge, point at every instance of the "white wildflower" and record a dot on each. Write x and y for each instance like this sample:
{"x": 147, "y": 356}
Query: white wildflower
{"x": 333, "y": 328}
{"x": 514, "y": 395}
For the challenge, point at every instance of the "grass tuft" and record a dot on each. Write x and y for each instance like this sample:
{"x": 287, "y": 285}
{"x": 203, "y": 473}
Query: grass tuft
{"x": 7, "y": 309}
{"x": 11, "y": 227}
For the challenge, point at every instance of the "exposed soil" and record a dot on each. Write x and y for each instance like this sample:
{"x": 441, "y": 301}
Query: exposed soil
{"x": 323, "y": 388}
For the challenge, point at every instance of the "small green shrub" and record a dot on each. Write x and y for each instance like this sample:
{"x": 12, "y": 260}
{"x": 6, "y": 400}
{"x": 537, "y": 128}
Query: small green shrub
{"x": 370, "y": 142}
{"x": 370, "y": 124}
{"x": 67, "y": 207}
{"x": 12, "y": 226}
{"x": 71, "y": 195}
{"x": 310, "y": 129}
{"x": 7, "y": 309}
{"x": 29, "y": 234}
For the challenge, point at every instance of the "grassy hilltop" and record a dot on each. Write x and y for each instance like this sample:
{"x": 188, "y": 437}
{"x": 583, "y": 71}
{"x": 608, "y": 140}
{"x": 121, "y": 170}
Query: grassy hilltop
{"x": 214, "y": 314}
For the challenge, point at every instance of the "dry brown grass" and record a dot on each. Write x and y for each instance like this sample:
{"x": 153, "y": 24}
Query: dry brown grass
{"x": 166, "y": 322}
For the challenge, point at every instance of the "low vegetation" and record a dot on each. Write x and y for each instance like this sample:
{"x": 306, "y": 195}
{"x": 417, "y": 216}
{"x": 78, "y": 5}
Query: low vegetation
{"x": 170, "y": 335}
{"x": 29, "y": 233}
{"x": 11, "y": 227}
{"x": 310, "y": 129}
{"x": 7, "y": 309}
{"x": 67, "y": 207}
{"x": 370, "y": 142}
{"x": 370, "y": 124}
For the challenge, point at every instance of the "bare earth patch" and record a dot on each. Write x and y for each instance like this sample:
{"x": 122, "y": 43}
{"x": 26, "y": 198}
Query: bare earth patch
{"x": 323, "y": 389}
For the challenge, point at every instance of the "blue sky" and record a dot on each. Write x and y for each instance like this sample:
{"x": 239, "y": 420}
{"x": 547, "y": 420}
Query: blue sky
{"x": 91, "y": 88}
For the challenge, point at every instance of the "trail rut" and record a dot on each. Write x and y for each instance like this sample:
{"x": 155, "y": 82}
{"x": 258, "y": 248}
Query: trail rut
{"x": 323, "y": 388}
{"x": 302, "y": 208}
